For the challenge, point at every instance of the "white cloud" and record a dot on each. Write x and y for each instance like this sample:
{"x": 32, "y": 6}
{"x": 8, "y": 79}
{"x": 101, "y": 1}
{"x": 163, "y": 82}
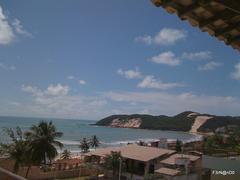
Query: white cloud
{"x": 82, "y": 82}
{"x": 6, "y": 33}
{"x": 151, "y": 82}
{"x": 167, "y": 36}
{"x": 52, "y": 90}
{"x": 171, "y": 104}
{"x": 57, "y": 90}
{"x": 103, "y": 104}
{"x": 55, "y": 101}
{"x": 70, "y": 77}
{"x": 14, "y": 103}
{"x": 6, "y": 67}
{"x": 148, "y": 81}
{"x": 202, "y": 55}
{"x": 146, "y": 39}
{"x": 236, "y": 73}
{"x": 19, "y": 28}
{"x": 33, "y": 90}
{"x": 130, "y": 74}
{"x": 209, "y": 66}
{"x": 167, "y": 58}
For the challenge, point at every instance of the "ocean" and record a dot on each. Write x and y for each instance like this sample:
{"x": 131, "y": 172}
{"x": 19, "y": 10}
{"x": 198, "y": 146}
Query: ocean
{"x": 75, "y": 130}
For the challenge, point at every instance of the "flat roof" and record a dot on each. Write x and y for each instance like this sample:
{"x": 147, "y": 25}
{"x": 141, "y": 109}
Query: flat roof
{"x": 167, "y": 171}
{"x": 135, "y": 152}
{"x": 171, "y": 160}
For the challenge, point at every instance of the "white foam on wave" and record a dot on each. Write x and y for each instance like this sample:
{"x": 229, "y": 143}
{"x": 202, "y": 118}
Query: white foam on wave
{"x": 115, "y": 143}
{"x": 125, "y": 142}
{"x": 69, "y": 142}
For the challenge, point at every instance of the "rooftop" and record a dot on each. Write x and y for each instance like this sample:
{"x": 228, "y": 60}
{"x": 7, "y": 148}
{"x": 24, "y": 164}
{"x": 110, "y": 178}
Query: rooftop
{"x": 217, "y": 17}
{"x": 68, "y": 161}
{"x": 167, "y": 171}
{"x": 136, "y": 152}
{"x": 171, "y": 159}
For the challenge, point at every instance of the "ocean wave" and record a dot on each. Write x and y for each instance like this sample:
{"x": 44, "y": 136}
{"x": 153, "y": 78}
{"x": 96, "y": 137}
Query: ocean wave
{"x": 115, "y": 143}
{"x": 70, "y": 142}
{"x": 147, "y": 140}
{"x": 125, "y": 142}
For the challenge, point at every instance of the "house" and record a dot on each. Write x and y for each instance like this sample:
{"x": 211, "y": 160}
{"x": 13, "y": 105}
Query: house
{"x": 180, "y": 166}
{"x": 167, "y": 173}
{"x": 193, "y": 146}
{"x": 164, "y": 143}
{"x": 221, "y": 130}
{"x": 186, "y": 161}
{"x": 141, "y": 161}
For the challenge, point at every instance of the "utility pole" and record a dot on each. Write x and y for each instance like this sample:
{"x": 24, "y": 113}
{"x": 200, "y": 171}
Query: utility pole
{"x": 120, "y": 168}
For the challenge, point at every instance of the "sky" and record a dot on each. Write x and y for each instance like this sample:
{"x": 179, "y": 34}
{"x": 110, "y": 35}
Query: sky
{"x": 90, "y": 59}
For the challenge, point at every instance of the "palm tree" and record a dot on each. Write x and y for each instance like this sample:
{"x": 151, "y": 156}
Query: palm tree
{"x": 112, "y": 162}
{"x": 43, "y": 143}
{"x": 94, "y": 142}
{"x": 179, "y": 146}
{"x": 66, "y": 154}
{"x": 84, "y": 145}
{"x": 18, "y": 149}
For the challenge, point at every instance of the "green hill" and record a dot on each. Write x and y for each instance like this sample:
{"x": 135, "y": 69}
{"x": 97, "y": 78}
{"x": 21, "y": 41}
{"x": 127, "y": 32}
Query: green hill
{"x": 180, "y": 122}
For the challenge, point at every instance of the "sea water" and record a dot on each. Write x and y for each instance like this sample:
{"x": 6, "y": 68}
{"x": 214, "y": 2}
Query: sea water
{"x": 74, "y": 130}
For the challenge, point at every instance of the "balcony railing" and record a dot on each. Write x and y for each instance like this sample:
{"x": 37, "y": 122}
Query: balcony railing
{"x": 7, "y": 175}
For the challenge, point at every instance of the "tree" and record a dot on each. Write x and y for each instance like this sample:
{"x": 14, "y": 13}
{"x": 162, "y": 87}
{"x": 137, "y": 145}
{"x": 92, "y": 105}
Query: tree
{"x": 84, "y": 145}
{"x": 213, "y": 143}
{"x": 66, "y": 154}
{"x": 141, "y": 143}
{"x": 178, "y": 146}
{"x": 43, "y": 143}
{"x": 112, "y": 162}
{"x": 94, "y": 142}
{"x": 18, "y": 149}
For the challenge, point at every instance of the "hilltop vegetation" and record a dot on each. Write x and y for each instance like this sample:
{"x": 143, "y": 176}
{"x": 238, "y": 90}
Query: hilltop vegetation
{"x": 180, "y": 122}
{"x": 220, "y": 121}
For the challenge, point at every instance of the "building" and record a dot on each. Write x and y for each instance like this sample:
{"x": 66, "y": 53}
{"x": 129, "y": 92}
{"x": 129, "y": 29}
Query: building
{"x": 167, "y": 173}
{"x": 180, "y": 166}
{"x": 193, "y": 146}
{"x": 164, "y": 143}
{"x": 143, "y": 160}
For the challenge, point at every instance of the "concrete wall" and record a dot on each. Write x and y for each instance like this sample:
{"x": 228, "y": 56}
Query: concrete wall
{"x": 7, "y": 175}
{"x": 35, "y": 172}
{"x": 182, "y": 177}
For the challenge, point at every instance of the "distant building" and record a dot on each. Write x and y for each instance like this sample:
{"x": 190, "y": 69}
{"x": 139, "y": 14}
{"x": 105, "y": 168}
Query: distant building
{"x": 221, "y": 130}
{"x": 193, "y": 146}
{"x": 164, "y": 143}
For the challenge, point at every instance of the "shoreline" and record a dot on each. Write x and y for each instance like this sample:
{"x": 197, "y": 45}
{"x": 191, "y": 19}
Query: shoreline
{"x": 70, "y": 143}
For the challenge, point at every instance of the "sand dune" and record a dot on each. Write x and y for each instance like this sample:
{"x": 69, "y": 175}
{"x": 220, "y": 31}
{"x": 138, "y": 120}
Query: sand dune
{"x": 199, "y": 121}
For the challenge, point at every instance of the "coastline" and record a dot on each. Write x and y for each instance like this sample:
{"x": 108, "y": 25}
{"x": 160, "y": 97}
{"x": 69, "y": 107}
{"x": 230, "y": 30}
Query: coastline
{"x": 76, "y": 150}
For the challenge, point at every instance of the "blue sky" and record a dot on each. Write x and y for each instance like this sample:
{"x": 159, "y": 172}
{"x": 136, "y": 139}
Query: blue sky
{"x": 89, "y": 59}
